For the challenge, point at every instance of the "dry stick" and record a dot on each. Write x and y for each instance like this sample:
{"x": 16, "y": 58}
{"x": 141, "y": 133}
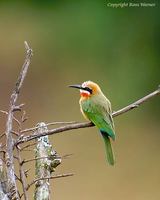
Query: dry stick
{"x": 87, "y": 124}
{"x": 46, "y": 178}
{"x": 6, "y": 113}
{"x": 22, "y": 174}
{"x": 34, "y": 159}
{"x": 2, "y": 135}
{"x": 3, "y": 185}
{"x": 43, "y": 157}
{"x": 136, "y": 104}
{"x": 50, "y": 177}
{"x": 49, "y": 124}
{"x": 9, "y": 124}
{"x": 27, "y": 146}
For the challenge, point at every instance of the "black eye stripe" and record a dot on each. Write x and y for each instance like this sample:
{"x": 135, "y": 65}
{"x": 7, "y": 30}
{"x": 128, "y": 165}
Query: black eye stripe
{"x": 88, "y": 89}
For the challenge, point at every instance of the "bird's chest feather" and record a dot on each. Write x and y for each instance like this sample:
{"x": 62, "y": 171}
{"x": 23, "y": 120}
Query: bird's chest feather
{"x": 86, "y": 107}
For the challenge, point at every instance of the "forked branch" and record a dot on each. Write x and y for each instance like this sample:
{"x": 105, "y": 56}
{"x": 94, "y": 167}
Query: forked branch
{"x": 9, "y": 125}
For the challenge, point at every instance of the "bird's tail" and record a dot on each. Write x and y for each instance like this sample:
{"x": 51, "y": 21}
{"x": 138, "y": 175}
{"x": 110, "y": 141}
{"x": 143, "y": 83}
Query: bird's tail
{"x": 109, "y": 150}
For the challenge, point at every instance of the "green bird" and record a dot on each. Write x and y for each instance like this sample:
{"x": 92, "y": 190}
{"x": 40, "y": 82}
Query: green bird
{"x": 97, "y": 108}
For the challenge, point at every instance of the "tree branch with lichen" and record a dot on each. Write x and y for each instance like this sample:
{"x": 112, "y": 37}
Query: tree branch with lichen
{"x": 44, "y": 167}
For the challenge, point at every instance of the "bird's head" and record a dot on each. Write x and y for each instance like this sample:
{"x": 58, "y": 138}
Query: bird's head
{"x": 87, "y": 89}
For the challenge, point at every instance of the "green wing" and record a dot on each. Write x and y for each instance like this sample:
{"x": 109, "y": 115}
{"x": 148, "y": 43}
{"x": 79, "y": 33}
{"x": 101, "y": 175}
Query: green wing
{"x": 100, "y": 114}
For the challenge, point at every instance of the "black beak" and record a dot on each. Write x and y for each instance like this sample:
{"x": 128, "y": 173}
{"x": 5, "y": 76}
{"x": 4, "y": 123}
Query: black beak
{"x": 77, "y": 86}
{"x": 81, "y": 88}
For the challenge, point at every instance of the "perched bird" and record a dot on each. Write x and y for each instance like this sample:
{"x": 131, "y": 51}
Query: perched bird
{"x": 97, "y": 108}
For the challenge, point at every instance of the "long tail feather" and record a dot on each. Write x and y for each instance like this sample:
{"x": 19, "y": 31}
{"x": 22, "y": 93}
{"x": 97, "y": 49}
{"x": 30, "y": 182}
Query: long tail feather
{"x": 109, "y": 150}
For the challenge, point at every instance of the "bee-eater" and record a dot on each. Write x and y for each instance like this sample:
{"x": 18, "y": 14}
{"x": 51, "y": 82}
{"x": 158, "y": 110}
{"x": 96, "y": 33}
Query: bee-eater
{"x": 97, "y": 108}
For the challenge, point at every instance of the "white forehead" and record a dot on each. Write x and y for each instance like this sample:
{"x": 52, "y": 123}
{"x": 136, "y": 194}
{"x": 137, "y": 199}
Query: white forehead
{"x": 85, "y": 84}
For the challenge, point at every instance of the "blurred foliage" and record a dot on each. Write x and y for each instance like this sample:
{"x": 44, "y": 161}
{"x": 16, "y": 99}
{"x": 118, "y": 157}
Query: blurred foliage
{"x": 74, "y": 41}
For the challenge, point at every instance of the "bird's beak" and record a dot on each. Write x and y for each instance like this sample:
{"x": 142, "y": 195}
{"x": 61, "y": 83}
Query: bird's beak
{"x": 76, "y": 86}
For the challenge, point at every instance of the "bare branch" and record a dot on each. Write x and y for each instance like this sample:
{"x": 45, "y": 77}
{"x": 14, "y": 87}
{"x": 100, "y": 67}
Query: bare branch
{"x": 87, "y": 124}
{"x": 49, "y": 124}
{"x": 136, "y": 104}
{"x": 3, "y": 185}
{"x": 27, "y": 146}
{"x": 9, "y": 123}
{"x": 35, "y": 159}
{"x": 22, "y": 175}
{"x": 66, "y": 156}
{"x": 48, "y": 157}
{"x": 2, "y": 135}
{"x": 6, "y": 113}
{"x": 49, "y": 177}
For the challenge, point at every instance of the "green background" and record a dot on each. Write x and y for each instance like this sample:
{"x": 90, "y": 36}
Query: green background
{"x": 75, "y": 41}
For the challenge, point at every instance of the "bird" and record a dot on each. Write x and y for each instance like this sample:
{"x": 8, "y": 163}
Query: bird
{"x": 96, "y": 107}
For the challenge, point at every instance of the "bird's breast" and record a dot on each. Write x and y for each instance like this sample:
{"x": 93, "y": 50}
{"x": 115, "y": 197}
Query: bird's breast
{"x": 83, "y": 106}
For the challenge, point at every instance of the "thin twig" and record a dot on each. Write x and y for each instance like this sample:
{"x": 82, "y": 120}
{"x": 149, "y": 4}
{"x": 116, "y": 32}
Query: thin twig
{"x": 9, "y": 124}
{"x": 2, "y": 135}
{"x": 15, "y": 119}
{"x": 137, "y": 103}
{"x": 27, "y": 146}
{"x": 17, "y": 178}
{"x": 49, "y": 124}
{"x": 50, "y": 177}
{"x": 24, "y": 118}
{"x": 15, "y": 133}
{"x": 66, "y": 156}
{"x": 34, "y": 159}
{"x": 87, "y": 124}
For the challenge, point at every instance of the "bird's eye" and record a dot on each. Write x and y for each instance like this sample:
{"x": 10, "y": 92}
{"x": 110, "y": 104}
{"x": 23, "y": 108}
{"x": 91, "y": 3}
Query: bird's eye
{"x": 88, "y": 89}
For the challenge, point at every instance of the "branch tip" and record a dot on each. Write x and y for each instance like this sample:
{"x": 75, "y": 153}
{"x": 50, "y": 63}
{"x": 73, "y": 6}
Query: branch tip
{"x": 26, "y": 45}
{"x": 29, "y": 50}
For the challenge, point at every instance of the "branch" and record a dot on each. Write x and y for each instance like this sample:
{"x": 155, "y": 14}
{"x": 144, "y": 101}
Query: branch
{"x": 22, "y": 175}
{"x": 3, "y": 185}
{"x": 9, "y": 123}
{"x": 27, "y": 146}
{"x": 44, "y": 167}
{"x": 48, "y": 157}
{"x": 49, "y": 177}
{"x": 6, "y": 113}
{"x": 134, "y": 105}
{"x": 49, "y": 124}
